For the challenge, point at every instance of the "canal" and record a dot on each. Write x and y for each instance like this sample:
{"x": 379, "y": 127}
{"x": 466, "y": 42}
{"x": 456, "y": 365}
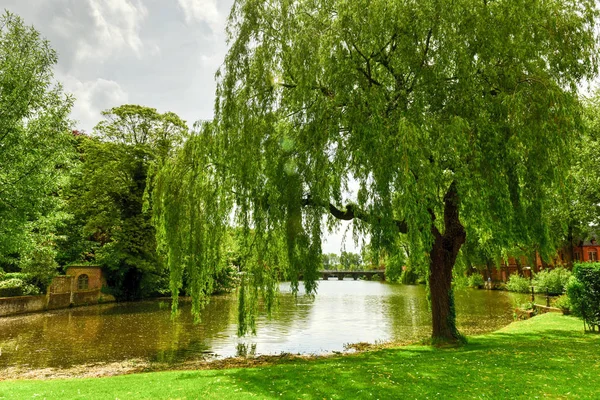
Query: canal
{"x": 343, "y": 312}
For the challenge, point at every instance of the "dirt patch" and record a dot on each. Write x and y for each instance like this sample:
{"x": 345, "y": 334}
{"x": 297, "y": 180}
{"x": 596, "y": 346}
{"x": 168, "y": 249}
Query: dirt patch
{"x": 139, "y": 365}
{"x": 134, "y": 366}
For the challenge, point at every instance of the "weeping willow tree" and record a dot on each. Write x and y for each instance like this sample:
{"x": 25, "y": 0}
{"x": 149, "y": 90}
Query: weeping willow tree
{"x": 454, "y": 118}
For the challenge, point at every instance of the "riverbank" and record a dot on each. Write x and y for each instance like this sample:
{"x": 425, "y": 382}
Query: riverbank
{"x": 548, "y": 356}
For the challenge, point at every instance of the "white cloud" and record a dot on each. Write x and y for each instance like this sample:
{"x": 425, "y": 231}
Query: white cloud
{"x": 201, "y": 11}
{"x": 212, "y": 61}
{"x": 117, "y": 26}
{"x": 92, "y": 97}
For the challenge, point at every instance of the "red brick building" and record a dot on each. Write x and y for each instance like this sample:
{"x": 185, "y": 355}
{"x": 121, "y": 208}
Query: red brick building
{"x": 86, "y": 277}
{"x": 586, "y": 251}
{"x": 582, "y": 251}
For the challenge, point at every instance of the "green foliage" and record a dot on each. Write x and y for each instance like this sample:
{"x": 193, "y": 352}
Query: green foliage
{"x": 585, "y": 207}
{"x": 476, "y": 281}
{"x": 111, "y": 198}
{"x": 191, "y": 225}
{"x": 394, "y": 266}
{"x": 576, "y": 292}
{"x": 460, "y": 281}
{"x": 15, "y": 275}
{"x": 331, "y": 261}
{"x": 554, "y": 281}
{"x": 10, "y": 287}
{"x": 34, "y": 135}
{"x": 583, "y": 291}
{"x": 518, "y": 284}
{"x": 409, "y": 277}
{"x": 39, "y": 250}
{"x": 412, "y": 100}
{"x": 226, "y": 280}
{"x": 350, "y": 261}
{"x": 563, "y": 303}
{"x": 401, "y": 266}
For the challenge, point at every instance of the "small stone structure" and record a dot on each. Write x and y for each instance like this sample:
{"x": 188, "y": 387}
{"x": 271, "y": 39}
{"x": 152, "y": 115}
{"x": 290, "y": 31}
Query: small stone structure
{"x": 81, "y": 285}
{"x": 86, "y": 277}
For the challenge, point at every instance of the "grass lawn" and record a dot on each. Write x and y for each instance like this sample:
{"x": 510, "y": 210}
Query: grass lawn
{"x": 548, "y": 356}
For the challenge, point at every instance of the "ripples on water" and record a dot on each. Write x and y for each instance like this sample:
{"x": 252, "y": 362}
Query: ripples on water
{"x": 343, "y": 312}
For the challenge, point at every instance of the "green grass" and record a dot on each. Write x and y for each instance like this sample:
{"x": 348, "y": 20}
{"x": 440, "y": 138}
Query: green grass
{"x": 548, "y": 356}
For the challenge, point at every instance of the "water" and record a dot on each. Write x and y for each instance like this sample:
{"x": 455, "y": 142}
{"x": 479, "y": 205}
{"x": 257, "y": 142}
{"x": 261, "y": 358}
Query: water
{"x": 343, "y": 312}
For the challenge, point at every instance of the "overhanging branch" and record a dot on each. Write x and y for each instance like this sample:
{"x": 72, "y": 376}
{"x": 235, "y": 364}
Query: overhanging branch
{"x": 351, "y": 212}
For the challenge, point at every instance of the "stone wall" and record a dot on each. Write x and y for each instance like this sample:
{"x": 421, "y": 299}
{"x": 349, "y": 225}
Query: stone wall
{"x": 62, "y": 293}
{"x": 59, "y": 300}
{"x": 61, "y": 284}
{"x": 21, "y": 305}
{"x": 85, "y": 297}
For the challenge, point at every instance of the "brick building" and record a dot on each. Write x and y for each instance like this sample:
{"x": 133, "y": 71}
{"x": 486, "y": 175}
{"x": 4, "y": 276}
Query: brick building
{"x": 586, "y": 251}
{"x": 581, "y": 251}
{"x": 86, "y": 277}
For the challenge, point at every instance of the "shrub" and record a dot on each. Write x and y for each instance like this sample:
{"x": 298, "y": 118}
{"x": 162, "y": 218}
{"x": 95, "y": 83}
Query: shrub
{"x": 460, "y": 281}
{"x": 583, "y": 290}
{"x": 17, "y": 287}
{"x": 476, "y": 281}
{"x": 17, "y": 275}
{"x": 408, "y": 277}
{"x": 563, "y": 303}
{"x": 226, "y": 280}
{"x": 518, "y": 284}
{"x": 554, "y": 281}
{"x": 11, "y": 282}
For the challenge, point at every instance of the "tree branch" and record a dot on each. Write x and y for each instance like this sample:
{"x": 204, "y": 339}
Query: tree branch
{"x": 351, "y": 212}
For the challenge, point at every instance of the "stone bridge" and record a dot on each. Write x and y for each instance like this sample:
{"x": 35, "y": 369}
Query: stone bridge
{"x": 354, "y": 274}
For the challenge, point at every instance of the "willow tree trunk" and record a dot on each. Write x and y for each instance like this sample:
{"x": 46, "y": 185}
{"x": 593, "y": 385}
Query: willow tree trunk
{"x": 442, "y": 258}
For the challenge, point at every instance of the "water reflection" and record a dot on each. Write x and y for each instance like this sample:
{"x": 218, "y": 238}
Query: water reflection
{"x": 343, "y": 312}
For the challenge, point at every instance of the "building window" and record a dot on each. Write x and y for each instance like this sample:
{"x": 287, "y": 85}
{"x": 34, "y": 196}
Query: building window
{"x": 82, "y": 282}
{"x": 593, "y": 255}
{"x": 577, "y": 256}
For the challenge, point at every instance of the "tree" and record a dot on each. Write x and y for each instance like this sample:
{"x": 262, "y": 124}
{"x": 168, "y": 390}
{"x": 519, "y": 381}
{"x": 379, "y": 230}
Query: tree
{"x": 331, "y": 261}
{"x": 111, "y": 197}
{"x": 34, "y": 143}
{"x": 455, "y": 118}
{"x": 585, "y": 207}
{"x": 583, "y": 212}
{"x": 350, "y": 261}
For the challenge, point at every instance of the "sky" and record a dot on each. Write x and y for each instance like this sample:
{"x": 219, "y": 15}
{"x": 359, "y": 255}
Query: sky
{"x": 157, "y": 53}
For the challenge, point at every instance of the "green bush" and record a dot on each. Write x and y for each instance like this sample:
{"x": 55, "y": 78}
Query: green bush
{"x": 563, "y": 303}
{"x": 460, "y": 281}
{"x": 554, "y": 281}
{"x": 17, "y": 275}
{"x": 226, "y": 280}
{"x": 17, "y": 287}
{"x": 518, "y": 284}
{"x": 408, "y": 277}
{"x": 476, "y": 281}
{"x": 583, "y": 290}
